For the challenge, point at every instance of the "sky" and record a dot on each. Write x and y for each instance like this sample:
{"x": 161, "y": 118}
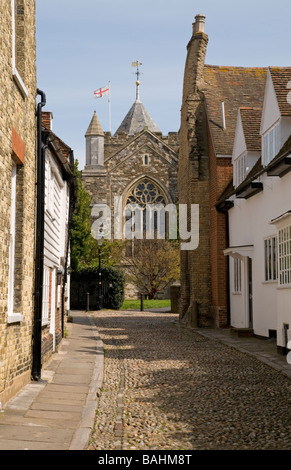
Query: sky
{"x": 83, "y": 45}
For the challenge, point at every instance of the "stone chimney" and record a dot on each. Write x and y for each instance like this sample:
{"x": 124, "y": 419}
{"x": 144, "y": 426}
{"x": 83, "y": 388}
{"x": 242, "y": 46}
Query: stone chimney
{"x": 199, "y": 25}
{"x": 46, "y": 119}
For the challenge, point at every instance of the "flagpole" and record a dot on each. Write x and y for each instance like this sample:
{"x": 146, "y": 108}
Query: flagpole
{"x": 109, "y": 106}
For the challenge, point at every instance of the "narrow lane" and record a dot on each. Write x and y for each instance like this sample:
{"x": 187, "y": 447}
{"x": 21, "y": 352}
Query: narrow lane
{"x": 169, "y": 388}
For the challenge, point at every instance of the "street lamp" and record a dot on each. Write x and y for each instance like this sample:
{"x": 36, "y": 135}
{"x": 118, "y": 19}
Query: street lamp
{"x": 99, "y": 243}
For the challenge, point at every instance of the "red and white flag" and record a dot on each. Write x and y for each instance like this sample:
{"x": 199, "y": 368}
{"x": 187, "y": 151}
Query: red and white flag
{"x": 101, "y": 92}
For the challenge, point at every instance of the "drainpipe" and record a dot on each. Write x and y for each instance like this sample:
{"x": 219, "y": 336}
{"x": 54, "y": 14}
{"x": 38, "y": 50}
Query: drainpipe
{"x": 39, "y": 255}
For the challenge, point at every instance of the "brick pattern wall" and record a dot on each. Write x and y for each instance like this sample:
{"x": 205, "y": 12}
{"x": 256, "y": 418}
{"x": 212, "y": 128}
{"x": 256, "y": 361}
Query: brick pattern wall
{"x": 193, "y": 185}
{"x": 17, "y": 111}
{"x": 220, "y": 175}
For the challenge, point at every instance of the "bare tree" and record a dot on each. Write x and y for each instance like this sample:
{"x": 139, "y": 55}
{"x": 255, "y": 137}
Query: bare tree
{"x": 154, "y": 266}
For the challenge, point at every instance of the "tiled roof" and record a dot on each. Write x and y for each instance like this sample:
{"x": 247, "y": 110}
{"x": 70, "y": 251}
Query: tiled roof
{"x": 281, "y": 76}
{"x": 236, "y": 87}
{"x": 251, "y": 121}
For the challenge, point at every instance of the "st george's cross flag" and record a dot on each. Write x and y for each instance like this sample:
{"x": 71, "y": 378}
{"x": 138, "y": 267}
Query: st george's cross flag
{"x": 101, "y": 92}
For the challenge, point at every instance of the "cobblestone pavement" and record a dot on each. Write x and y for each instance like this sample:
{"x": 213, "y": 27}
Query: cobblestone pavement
{"x": 169, "y": 388}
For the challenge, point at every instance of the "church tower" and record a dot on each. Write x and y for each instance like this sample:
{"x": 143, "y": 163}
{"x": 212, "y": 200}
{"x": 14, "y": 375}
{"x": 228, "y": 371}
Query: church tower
{"x": 135, "y": 163}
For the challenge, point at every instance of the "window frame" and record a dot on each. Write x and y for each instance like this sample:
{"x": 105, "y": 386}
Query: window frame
{"x": 271, "y": 143}
{"x": 240, "y": 169}
{"x": 237, "y": 276}
{"x": 284, "y": 256}
{"x": 15, "y": 73}
{"x": 12, "y": 235}
{"x": 271, "y": 259}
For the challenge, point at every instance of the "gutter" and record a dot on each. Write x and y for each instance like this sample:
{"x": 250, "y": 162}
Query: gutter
{"x": 39, "y": 248}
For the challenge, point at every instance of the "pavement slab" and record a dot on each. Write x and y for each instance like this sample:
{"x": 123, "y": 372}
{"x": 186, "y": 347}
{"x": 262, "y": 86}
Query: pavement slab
{"x": 58, "y": 412}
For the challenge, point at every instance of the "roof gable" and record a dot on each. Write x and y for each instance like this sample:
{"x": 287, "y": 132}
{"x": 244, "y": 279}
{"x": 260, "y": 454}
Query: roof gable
{"x": 239, "y": 145}
{"x": 271, "y": 111}
{"x": 144, "y": 141}
{"x": 281, "y": 78}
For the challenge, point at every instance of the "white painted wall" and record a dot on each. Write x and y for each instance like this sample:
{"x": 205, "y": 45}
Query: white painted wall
{"x": 271, "y": 112}
{"x": 249, "y": 224}
{"x": 56, "y": 220}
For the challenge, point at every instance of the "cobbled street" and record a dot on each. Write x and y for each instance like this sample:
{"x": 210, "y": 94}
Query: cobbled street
{"x": 169, "y": 388}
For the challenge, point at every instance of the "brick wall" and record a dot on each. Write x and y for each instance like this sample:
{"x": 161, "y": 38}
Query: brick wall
{"x": 193, "y": 186}
{"x": 17, "y": 111}
{"x": 220, "y": 175}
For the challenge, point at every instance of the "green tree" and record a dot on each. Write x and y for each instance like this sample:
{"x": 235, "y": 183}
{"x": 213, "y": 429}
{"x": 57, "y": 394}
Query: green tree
{"x": 84, "y": 250}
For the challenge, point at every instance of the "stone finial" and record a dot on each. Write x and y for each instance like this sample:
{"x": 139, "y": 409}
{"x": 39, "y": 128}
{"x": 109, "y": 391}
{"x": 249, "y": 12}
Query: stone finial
{"x": 199, "y": 25}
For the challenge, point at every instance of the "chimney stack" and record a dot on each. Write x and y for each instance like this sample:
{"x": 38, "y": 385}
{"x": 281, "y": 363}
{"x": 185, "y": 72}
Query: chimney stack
{"x": 46, "y": 119}
{"x": 199, "y": 25}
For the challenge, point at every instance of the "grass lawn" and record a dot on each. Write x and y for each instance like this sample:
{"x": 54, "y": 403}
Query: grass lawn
{"x": 135, "y": 304}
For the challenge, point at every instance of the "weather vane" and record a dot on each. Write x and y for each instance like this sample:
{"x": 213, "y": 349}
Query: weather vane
{"x": 137, "y": 64}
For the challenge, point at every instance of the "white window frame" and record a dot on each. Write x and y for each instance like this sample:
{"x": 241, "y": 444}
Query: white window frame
{"x": 284, "y": 256}
{"x": 237, "y": 275}
{"x": 12, "y": 243}
{"x": 240, "y": 169}
{"x": 15, "y": 73}
{"x": 45, "y": 296}
{"x": 12, "y": 316}
{"x": 271, "y": 259}
{"x": 271, "y": 143}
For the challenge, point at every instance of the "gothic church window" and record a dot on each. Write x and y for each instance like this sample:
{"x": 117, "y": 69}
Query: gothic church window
{"x": 145, "y": 215}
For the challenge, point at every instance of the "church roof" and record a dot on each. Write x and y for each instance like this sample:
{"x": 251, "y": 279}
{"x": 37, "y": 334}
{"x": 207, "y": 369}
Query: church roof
{"x": 94, "y": 127}
{"x": 136, "y": 120}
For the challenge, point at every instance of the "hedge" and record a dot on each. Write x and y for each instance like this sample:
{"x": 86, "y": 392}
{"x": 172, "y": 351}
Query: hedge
{"x": 86, "y": 280}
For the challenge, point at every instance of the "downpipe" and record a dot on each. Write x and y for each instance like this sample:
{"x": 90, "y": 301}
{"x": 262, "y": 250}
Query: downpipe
{"x": 39, "y": 248}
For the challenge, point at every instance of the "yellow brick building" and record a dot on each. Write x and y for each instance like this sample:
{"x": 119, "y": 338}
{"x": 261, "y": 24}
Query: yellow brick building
{"x": 17, "y": 192}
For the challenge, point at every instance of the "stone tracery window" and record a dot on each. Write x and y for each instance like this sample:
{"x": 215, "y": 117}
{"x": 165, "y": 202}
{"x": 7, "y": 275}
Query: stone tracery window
{"x": 145, "y": 192}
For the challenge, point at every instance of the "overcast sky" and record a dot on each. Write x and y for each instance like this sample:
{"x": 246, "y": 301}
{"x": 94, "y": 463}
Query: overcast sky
{"x": 84, "y": 44}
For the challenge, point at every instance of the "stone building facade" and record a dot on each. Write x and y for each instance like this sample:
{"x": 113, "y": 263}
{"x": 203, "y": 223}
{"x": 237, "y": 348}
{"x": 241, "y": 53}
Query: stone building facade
{"x": 211, "y": 95}
{"x": 17, "y": 187}
{"x": 137, "y": 159}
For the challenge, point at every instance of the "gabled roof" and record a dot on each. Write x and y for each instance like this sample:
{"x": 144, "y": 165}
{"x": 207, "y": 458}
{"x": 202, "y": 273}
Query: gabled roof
{"x": 251, "y": 121}
{"x": 235, "y": 87}
{"x": 147, "y": 135}
{"x": 136, "y": 120}
{"x": 281, "y": 76}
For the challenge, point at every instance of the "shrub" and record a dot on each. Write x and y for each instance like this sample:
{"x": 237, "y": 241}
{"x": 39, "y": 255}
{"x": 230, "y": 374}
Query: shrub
{"x": 85, "y": 280}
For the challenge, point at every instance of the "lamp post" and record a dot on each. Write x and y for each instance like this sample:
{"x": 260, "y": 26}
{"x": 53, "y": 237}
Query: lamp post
{"x": 100, "y": 243}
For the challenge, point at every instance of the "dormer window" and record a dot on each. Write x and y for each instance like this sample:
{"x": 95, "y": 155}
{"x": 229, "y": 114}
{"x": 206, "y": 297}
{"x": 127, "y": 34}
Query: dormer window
{"x": 271, "y": 143}
{"x": 240, "y": 169}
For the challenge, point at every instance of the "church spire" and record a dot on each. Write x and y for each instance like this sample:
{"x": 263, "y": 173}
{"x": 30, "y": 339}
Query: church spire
{"x": 136, "y": 64}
